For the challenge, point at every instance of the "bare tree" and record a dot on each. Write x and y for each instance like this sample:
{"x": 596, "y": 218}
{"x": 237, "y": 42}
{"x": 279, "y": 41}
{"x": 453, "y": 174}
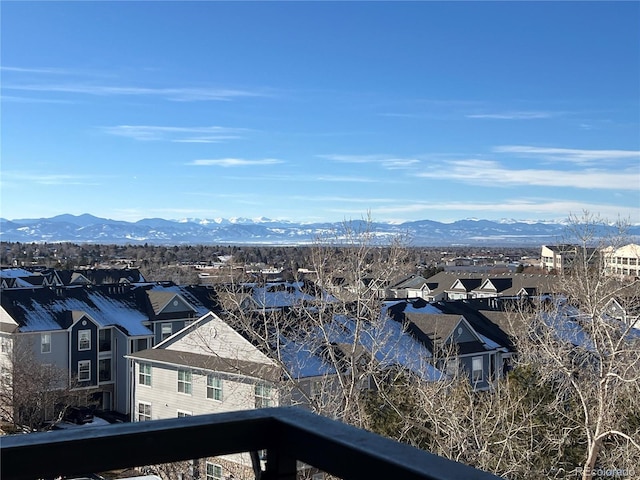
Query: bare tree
{"x": 32, "y": 393}
{"x": 590, "y": 359}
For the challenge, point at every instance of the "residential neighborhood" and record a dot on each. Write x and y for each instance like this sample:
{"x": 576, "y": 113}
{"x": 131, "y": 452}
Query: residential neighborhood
{"x": 134, "y": 350}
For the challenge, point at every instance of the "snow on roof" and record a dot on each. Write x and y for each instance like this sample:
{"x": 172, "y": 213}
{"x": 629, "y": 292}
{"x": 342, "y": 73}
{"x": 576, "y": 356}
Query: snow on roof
{"x": 43, "y": 311}
{"x": 15, "y": 273}
{"x": 301, "y": 362}
{"x": 281, "y": 294}
{"x": 428, "y": 308}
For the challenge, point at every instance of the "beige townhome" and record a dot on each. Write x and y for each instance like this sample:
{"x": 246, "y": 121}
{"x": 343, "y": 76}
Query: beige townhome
{"x": 205, "y": 368}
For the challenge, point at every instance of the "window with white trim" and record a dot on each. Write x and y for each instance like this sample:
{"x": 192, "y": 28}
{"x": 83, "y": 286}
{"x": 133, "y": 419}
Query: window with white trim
{"x": 84, "y": 339}
{"x": 214, "y": 471}
{"x": 182, "y": 414}
{"x": 45, "y": 343}
{"x": 166, "y": 329}
{"x": 84, "y": 370}
{"x": 214, "y": 387}
{"x": 184, "y": 381}
{"x": 263, "y": 395}
{"x": 144, "y": 374}
{"x": 477, "y": 369}
{"x": 144, "y": 411}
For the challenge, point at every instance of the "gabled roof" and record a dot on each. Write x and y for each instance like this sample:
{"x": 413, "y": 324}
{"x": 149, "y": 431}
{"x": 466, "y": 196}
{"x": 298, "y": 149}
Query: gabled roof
{"x": 438, "y": 327}
{"x": 498, "y": 284}
{"x": 162, "y": 300}
{"x": 465, "y": 284}
{"x": 102, "y": 276}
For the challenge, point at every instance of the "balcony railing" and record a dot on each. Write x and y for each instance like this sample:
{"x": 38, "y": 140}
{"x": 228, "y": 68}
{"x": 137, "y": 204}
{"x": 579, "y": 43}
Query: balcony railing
{"x": 288, "y": 434}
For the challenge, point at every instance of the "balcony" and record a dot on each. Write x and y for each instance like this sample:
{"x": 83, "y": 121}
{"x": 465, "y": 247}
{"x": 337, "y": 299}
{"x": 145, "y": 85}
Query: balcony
{"x": 288, "y": 434}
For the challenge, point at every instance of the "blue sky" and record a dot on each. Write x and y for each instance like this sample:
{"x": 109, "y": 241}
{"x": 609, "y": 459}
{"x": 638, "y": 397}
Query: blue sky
{"x": 320, "y": 111}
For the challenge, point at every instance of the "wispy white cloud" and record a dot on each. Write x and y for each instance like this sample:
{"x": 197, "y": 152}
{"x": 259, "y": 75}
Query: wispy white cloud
{"x": 518, "y": 115}
{"x": 234, "y": 162}
{"x": 41, "y": 70}
{"x": 386, "y": 161}
{"x": 11, "y": 178}
{"x": 213, "y": 134}
{"x": 521, "y": 208}
{"x": 575, "y": 155}
{"x": 175, "y": 94}
{"x": 344, "y": 178}
{"x": 342, "y": 199}
{"x": 491, "y": 173}
{"x": 16, "y": 99}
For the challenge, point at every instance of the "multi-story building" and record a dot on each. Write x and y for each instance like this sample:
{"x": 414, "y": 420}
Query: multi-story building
{"x": 623, "y": 261}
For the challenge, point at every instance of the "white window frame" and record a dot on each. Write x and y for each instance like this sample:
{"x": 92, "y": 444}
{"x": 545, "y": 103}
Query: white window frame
{"x": 214, "y": 388}
{"x": 144, "y": 414}
{"x": 84, "y": 366}
{"x": 475, "y": 363}
{"x": 184, "y": 413}
{"x": 185, "y": 383}
{"x": 45, "y": 342}
{"x": 163, "y": 335}
{"x": 213, "y": 471}
{"x": 263, "y": 395}
{"x": 87, "y": 341}
{"x": 144, "y": 378}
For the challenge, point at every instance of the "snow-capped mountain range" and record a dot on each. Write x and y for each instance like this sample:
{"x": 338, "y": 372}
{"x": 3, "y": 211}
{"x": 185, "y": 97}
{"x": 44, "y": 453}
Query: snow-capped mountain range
{"x": 264, "y": 231}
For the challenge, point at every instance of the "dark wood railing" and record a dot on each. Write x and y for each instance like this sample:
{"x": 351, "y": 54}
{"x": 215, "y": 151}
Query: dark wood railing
{"x": 288, "y": 434}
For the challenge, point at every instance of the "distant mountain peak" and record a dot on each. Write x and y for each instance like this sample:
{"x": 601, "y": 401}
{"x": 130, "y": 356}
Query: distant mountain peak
{"x": 265, "y": 231}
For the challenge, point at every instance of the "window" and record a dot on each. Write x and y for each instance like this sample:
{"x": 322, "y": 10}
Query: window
{"x": 104, "y": 370}
{"x": 263, "y": 396}
{"x": 166, "y": 329}
{"x": 214, "y": 387}
{"x": 144, "y": 411}
{"x": 477, "y": 369}
{"x": 452, "y": 367}
{"x": 214, "y": 471}
{"x": 144, "y": 374}
{"x": 4, "y": 345}
{"x": 84, "y": 339}
{"x": 182, "y": 413}
{"x": 184, "y": 381}
{"x": 141, "y": 344}
{"x": 84, "y": 370}
{"x": 104, "y": 340}
{"x": 45, "y": 342}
